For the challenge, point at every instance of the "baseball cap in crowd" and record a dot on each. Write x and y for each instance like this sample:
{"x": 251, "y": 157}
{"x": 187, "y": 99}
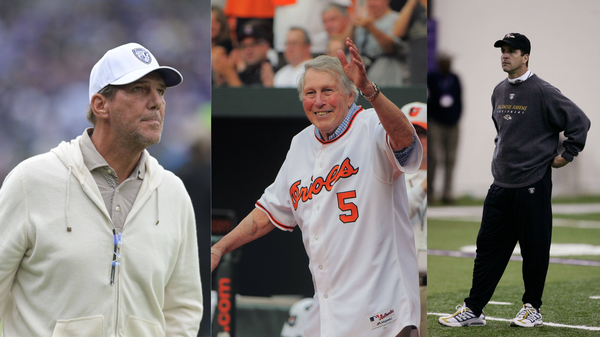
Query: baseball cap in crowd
{"x": 416, "y": 112}
{"x": 257, "y": 29}
{"x": 516, "y": 41}
{"x": 294, "y": 326}
{"x": 128, "y": 63}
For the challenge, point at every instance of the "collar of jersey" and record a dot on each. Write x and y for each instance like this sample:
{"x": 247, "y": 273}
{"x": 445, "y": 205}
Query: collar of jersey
{"x": 354, "y": 110}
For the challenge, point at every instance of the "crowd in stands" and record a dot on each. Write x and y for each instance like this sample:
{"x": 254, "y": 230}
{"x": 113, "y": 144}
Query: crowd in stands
{"x": 49, "y": 48}
{"x": 265, "y": 42}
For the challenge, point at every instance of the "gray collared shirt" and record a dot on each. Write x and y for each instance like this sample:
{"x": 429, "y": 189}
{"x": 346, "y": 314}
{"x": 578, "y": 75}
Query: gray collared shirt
{"x": 117, "y": 198}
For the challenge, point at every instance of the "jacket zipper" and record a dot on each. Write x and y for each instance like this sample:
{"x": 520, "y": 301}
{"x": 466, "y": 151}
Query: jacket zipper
{"x": 118, "y": 276}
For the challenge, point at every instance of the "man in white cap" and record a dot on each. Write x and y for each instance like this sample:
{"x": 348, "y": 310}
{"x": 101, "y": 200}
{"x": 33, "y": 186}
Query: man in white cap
{"x": 416, "y": 190}
{"x": 296, "y": 322}
{"x": 97, "y": 238}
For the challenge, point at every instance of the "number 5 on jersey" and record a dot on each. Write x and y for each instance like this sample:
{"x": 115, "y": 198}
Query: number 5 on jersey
{"x": 345, "y": 206}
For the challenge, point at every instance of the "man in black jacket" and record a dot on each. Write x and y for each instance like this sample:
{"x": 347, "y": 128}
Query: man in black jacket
{"x": 528, "y": 114}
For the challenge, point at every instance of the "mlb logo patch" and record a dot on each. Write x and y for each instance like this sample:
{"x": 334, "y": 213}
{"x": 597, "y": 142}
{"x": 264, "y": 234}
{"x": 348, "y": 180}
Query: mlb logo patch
{"x": 142, "y": 55}
{"x": 531, "y": 190}
{"x": 382, "y": 318}
{"x": 511, "y": 96}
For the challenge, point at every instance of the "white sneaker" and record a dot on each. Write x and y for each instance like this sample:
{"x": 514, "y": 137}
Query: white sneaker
{"x": 527, "y": 317}
{"x": 463, "y": 317}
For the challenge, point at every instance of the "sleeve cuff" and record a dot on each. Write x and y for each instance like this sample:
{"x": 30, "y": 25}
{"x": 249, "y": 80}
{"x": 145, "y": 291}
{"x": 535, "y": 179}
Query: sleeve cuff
{"x": 568, "y": 156}
{"x": 403, "y": 154}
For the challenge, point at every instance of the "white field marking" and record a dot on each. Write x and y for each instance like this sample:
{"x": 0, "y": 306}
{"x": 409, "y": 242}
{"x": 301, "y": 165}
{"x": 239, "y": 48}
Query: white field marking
{"x": 558, "y": 325}
{"x": 595, "y": 297}
{"x": 454, "y": 211}
{"x": 500, "y": 303}
{"x": 576, "y": 223}
{"x": 556, "y": 249}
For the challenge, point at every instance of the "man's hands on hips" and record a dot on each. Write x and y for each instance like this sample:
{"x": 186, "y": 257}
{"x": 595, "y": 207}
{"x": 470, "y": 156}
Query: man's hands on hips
{"x": 558, "y": 162}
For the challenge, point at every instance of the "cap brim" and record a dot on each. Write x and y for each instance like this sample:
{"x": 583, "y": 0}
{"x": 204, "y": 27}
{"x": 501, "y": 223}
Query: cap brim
{"x": 511, "y": 44}
{"x": 171, "y": 76}
{"x": 499, "y": 43}
{"x": 421, "y": 124}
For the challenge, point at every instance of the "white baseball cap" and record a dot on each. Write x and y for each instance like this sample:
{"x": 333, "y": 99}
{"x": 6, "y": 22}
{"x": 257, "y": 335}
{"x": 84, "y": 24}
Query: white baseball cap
{"x": 128, "y": 63}
{"x": 416, "y": 112}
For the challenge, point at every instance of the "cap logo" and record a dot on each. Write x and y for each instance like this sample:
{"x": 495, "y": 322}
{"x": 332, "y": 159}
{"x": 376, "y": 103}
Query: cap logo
{"x": 248, "y": 30}
{"x": 414, "y": 111}
{"x": 509, "y": 36}
{"x": 142, "y": 55}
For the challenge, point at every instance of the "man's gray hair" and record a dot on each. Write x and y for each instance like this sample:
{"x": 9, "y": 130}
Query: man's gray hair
{"x": 109, "y": 92}
{"x": 343, "y": 9}
{"x": 333, "y": 67}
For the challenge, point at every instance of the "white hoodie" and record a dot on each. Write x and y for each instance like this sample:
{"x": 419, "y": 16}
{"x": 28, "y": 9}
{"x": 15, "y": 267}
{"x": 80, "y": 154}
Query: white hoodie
{"x": 55, "y": 282}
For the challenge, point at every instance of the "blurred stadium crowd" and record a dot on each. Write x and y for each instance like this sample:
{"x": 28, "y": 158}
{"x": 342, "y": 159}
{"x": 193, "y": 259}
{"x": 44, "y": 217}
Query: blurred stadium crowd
{"x": 49, "y": 48}
{"x": 266, "y": 42}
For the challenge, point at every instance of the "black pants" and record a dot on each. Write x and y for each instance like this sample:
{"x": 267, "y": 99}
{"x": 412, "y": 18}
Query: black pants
{"x": 509, "y": 215}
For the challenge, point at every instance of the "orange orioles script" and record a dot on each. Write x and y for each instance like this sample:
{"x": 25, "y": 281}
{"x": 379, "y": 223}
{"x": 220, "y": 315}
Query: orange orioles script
{"x": 305, "y": 193}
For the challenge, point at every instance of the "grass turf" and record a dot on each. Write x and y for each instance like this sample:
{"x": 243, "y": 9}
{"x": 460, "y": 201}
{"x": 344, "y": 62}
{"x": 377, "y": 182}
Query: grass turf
{"x": 566, "y": 295}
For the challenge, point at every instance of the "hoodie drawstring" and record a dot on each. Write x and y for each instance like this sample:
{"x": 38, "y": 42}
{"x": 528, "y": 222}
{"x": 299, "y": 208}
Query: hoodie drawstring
{"x": 67, "y": 201}
{"x": 157, "y": 208}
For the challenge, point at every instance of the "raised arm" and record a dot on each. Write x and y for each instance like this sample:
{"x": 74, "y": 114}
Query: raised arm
{"x": 401, "y": 25}
{"x": 254, "y": 225}
{"x": 224, "y": 67}
{"x": 391, "y": 117}
{"x": 386, "y": 42}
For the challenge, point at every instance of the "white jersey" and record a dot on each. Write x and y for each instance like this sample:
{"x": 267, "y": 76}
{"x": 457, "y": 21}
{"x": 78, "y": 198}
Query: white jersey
{"x": 287, "y": 77}
{"x": 348, "y": 196}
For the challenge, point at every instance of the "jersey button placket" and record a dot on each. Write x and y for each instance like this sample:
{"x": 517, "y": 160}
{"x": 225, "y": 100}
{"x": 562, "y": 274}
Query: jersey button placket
{"x": 319, "y": 233}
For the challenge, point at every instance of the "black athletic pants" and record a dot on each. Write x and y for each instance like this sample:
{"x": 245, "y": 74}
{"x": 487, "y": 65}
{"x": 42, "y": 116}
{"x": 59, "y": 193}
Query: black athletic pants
{"x": 509, "y": 215}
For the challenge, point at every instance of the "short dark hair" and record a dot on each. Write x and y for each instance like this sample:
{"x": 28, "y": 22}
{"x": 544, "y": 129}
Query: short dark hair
{"x": 523, "y": 53}
{"x": 109, "y": 93}
{"x": 306, "y": 37}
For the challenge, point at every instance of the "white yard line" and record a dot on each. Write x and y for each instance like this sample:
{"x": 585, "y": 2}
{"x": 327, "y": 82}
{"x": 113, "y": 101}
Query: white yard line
{"x": 475, "y": 211}
{"x": 558, "y": 325}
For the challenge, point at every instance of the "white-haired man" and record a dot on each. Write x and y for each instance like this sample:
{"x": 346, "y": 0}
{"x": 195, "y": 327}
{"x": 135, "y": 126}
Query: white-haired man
{"x": 342, "y": 184}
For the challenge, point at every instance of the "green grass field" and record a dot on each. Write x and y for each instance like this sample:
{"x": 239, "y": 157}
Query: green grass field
{"x": 566, "y": 296}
